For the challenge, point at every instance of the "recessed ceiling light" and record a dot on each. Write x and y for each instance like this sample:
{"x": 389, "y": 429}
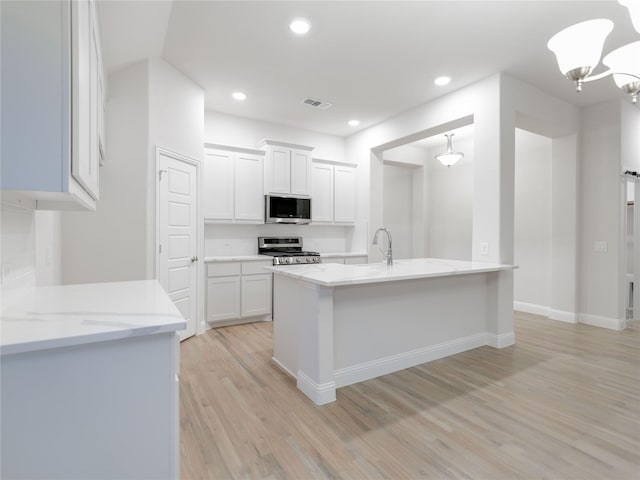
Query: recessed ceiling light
{"x": 300, "y": 26}
{"x": 354, "y": 123}
{"x": 440, "y": 81}
{"x": 239, "y": 96}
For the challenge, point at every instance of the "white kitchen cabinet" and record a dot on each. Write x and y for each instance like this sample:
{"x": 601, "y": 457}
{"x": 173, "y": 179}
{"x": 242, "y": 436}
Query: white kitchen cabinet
{"x": 344, "y": 191}
{"x": 333, "y": 260}
{"x": 334, "y": 193}
{"x": 287, "y": 168}
{"x": 256, "y": 295}
{"x": 322, "y": 192}
{"x": 51, "y": 112}
{"x": 223, "y": 298}
{"x": 233, "y": 184}
{"x": 238, "y": 290}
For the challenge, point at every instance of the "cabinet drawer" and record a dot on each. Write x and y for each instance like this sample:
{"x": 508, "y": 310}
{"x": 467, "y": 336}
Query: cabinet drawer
{"x": 253, "y": 268}
{"x": 356, "y": 260}
{"x": 333, "y": 260}
{"x": 223, "y": 269}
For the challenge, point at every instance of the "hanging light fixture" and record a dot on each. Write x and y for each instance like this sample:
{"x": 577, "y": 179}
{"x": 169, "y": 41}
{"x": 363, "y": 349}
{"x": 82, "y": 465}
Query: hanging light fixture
{"x": 578, "y": 49}
{"x": 449, "y": 157}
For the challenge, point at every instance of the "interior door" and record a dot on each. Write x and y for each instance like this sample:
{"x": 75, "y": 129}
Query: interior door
{"x": 177, "y": 230}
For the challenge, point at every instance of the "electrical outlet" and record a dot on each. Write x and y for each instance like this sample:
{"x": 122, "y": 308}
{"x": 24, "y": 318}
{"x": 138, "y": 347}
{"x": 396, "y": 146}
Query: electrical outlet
{"x": 484, "y": 248}
{"x": 600, "y": 246}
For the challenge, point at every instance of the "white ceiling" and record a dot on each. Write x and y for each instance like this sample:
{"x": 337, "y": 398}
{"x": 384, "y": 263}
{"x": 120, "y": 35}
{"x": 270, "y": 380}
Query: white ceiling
{"x": 371, "y": 59}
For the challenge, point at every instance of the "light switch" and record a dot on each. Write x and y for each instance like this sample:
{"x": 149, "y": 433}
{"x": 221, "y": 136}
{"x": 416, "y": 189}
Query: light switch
{"x": 600, "y": 246}
{"x": 484, "y": 248}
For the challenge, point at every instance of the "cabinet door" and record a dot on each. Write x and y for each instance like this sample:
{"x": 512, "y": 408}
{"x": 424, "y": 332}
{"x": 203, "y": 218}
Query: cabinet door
{"x": 223, "y": 298}
{"x": 256, "y": 295}
{"x": 344, "y": 194}
{"x": 218, "y": 185}
{"x": 84, "y": 162}
{"x": 300, "y": 172}
{"x": 249, "y": 199}
{"x": 278, "y": 177}
{"x": 322, "y": 192}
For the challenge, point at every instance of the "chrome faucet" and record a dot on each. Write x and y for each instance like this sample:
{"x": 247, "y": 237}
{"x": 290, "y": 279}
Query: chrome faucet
{"x": 389, "y": 254}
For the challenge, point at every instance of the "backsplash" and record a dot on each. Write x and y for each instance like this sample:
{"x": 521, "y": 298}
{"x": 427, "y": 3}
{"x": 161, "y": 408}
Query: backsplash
{"x": 18, "y": 247}
{"x": 221, "y": 240}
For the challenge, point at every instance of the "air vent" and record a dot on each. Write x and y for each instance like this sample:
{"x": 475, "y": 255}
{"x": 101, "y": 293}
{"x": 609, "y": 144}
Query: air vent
{"x": 312, "y": 102}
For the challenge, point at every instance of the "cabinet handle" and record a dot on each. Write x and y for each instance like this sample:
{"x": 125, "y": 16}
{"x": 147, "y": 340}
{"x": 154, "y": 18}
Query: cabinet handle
{"x": 194, "y": 259}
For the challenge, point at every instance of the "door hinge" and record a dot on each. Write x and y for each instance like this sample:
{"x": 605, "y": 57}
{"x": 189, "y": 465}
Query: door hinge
{"x": 160, "y": 248}
{"x": 160, "y": 172}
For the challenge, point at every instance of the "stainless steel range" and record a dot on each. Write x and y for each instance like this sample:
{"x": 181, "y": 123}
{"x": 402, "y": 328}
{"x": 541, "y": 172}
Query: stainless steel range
{"x": 286, "y": 250}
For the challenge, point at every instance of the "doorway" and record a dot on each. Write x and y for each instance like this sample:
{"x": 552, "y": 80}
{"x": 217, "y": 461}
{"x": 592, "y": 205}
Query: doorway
{"x": 177, "y": 233}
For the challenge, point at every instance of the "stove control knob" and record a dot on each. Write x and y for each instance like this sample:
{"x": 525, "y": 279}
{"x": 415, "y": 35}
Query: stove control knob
{"x": 316, "y": 260}
{"x": 299, "y": 259}
{"x": 287, "y": 260}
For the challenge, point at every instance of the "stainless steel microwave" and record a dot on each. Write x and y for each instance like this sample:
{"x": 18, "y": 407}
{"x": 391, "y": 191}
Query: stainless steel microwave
{"x": 287, "y": 209}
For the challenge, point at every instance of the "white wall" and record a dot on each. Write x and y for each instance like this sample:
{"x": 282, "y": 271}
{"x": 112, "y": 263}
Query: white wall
{"x": 150, "y": 103}
{"x": 398, "y": 213}
{"x": 450, "y": 204}
{"x": 601, "y": 199}
{"x": 532, "y": 237}
{"x": 245, "y": 132}
{"x": 110, "y": 244}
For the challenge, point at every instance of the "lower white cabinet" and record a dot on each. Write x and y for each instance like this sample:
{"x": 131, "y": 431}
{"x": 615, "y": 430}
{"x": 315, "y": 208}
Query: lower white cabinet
{"x": 346, "y": 260}
{"x": 223, "y": 298}
{"x": 238, "y": 290}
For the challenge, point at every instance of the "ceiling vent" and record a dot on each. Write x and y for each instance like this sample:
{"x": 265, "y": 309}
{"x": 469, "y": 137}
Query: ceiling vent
{"x": 312, "y": 102}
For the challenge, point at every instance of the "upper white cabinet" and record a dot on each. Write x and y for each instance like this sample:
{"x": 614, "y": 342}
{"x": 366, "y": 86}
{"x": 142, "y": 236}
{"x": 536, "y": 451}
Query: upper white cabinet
{"x": 52, "y": 95}
{"x": 232, "y": 187}
{"x": 287, "y": 168}
{"x": 334, "y": 192}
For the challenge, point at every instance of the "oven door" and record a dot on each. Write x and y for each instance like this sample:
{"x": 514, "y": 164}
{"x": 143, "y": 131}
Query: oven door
{"x": 287, "y": 209}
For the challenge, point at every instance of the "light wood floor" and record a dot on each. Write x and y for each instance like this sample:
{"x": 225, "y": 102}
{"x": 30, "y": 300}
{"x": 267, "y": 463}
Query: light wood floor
{"x": 563, "y": 403}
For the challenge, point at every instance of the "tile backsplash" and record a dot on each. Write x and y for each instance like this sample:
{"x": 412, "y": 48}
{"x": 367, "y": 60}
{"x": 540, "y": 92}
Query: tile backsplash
{"x": 17, "y": 247}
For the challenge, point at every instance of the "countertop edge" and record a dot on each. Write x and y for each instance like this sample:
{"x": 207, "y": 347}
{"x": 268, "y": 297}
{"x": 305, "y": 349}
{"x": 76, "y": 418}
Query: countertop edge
{"x": 87, "y": 339}
{"x": 282, "y": 270}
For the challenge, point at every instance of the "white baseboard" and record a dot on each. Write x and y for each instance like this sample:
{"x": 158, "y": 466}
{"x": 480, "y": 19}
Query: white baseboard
{"x": 320, "y": 393}
{"x": 393, "y": 363}
{"x": 532, "y": 308}
{"x": 501, "y": 341}
{"x": 562, "y": 316}
{"x": 604, "y": 322}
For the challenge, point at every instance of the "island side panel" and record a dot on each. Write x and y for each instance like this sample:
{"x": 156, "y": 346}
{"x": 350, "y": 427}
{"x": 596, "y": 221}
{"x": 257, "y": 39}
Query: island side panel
{"x": 383, "y": 328}
{"x": 289, "y": 304}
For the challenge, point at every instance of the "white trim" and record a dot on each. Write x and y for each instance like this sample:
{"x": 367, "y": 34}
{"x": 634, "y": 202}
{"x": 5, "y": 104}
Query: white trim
{"x": 393, "y": 363}
{"x": 320, "y": 393}
{"x": 199, "y": 287}
{"x": 277, "y": 143}
{"x": 604, "y": 322}
{"x": 562, "y": 316}
{"x": 532, "y": 308}
{"x": 337, "y": 163}
{"x": 501, "y": 341}
{"x": 231, "y": 148}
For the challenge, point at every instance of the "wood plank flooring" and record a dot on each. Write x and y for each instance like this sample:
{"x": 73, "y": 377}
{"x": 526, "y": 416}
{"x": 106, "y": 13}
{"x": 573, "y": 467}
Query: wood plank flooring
{"x": 563, "y": 403}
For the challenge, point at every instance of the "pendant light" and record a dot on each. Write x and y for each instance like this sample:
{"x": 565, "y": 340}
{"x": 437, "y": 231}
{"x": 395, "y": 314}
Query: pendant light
{"x": 449, "y": 157}
{"x": 578, "y": 49}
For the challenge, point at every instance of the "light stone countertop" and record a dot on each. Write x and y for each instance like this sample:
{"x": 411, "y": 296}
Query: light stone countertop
{"x": 335, "y": 275}
{"x": 64, "y": 315}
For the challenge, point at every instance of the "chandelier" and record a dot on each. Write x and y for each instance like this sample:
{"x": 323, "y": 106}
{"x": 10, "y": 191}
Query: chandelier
{"x": 578, "y": 49}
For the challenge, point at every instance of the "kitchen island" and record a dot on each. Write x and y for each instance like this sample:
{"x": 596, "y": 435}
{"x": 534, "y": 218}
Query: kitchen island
{"x": 336, "y": 325}
{"x": 89, "y": 382}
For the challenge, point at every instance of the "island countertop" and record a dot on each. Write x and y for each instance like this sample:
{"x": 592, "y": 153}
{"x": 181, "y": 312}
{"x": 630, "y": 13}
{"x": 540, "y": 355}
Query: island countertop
{"x": 65, "y": 315}
{"x": 335, "y": 275}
